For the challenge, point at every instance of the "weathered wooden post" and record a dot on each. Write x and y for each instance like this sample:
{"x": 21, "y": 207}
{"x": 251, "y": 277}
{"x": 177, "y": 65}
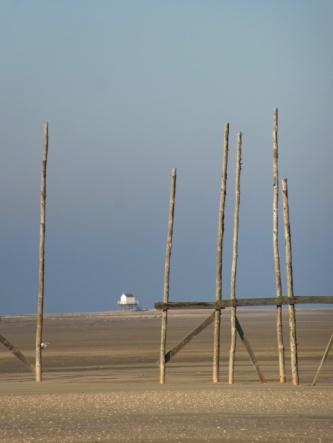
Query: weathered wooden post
{"x": 166, "y": 285}
{"x": 276, "y": 254}
{"x": 41, "y": 267}
{"x": 233, "y": 317}
{"x": 290, "y": 285}
{"x": 219, "y": 249}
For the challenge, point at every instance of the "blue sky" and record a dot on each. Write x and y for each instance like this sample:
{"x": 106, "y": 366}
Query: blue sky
{"x": 132, "y": 89}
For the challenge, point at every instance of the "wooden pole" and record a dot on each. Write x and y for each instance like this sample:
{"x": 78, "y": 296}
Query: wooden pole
{"x": 326, "y": 352}
{"x": 41, "y": 267}
{"x": 290, "y": 285}
{"x": 166, "y": 286}
{"x": 219, "y": 249}
{"x": 276, "y": 253}
{"x": 18, "y": 354}
{"x": 234, "y": 259}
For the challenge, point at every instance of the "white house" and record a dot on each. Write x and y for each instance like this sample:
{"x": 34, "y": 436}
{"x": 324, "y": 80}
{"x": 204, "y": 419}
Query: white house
{"x": 128, "y": 302}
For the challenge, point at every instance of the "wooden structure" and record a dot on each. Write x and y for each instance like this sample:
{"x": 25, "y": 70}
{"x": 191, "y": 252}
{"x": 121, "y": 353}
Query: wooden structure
{"x": 219, "y": 304}
{"x": 265, "y": 301}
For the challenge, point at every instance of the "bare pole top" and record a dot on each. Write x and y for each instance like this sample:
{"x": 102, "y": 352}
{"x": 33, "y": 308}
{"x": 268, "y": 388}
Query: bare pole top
{"x": 46, "y": 141}
{"x": 276, "y": 116}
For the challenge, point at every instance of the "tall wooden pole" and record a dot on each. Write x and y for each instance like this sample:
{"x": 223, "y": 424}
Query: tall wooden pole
{"x": 290, "y": 285}
{"x": 41, "y": 267}
{"x": 234, "y": 259}
{"x": 219, "y": 248}
{"x": 276, "y": 253}
{"x": 166, "y": 285}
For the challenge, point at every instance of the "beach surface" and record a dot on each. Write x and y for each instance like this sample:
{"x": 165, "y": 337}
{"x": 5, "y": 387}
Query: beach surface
{"x": 101, "y": 381}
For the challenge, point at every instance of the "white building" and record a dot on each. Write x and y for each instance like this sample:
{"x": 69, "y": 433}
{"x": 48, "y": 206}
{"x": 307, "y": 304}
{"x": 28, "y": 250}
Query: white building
{"x": 128, "y": 302}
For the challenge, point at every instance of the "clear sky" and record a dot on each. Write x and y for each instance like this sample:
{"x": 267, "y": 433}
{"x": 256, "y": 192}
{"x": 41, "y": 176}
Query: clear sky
{"x": 132, "y": 89}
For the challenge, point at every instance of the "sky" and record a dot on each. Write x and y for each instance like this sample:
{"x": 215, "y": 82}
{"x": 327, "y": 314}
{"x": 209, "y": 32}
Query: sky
{"x": 133, "y": 88}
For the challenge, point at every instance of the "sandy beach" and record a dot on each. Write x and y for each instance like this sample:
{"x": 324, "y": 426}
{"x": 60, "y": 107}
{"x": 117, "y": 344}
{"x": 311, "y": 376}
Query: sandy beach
{"x": 101, "y": 381}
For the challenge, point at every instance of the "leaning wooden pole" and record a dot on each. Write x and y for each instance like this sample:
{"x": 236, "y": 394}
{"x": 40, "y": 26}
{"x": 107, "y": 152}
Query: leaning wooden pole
{"x": 188, "y": 337}
{"x": 41, "y": 267}
{"x": 234, "y": 260}
{"x": 166, "y": 285}
{"x": 326, "y": 352}
{"x": 219, "y": 248}
{"x": 18, "y": 354}
{"x": 250, "y": 351}
{"x": 290, "y": 285}
{"x": 276, "y": 253}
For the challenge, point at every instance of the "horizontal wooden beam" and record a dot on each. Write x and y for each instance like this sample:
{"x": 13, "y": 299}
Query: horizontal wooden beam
{"x": 312, "y": 299}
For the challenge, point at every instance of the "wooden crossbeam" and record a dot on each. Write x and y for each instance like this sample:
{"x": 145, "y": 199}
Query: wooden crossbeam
{"x": 189, "y": 337}
{"x": 311, "y": 299}
{"x": 18, "y": 354}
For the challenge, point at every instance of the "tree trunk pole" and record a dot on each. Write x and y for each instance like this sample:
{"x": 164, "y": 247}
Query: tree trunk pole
{"x": 276, "y": 253}
{"x": 234, "y": 259}
{"x": 41, "y": 267}
{"x": 290, "y": 285}
{"x": 166, "y": 285}
{"x": 219, "y": 248}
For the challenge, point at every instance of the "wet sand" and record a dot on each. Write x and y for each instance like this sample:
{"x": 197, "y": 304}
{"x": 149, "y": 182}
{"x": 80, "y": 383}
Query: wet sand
{"x": 101, "y": 382}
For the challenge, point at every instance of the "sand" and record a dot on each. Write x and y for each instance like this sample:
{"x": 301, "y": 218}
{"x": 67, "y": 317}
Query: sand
{"x": 101, "y": 382}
